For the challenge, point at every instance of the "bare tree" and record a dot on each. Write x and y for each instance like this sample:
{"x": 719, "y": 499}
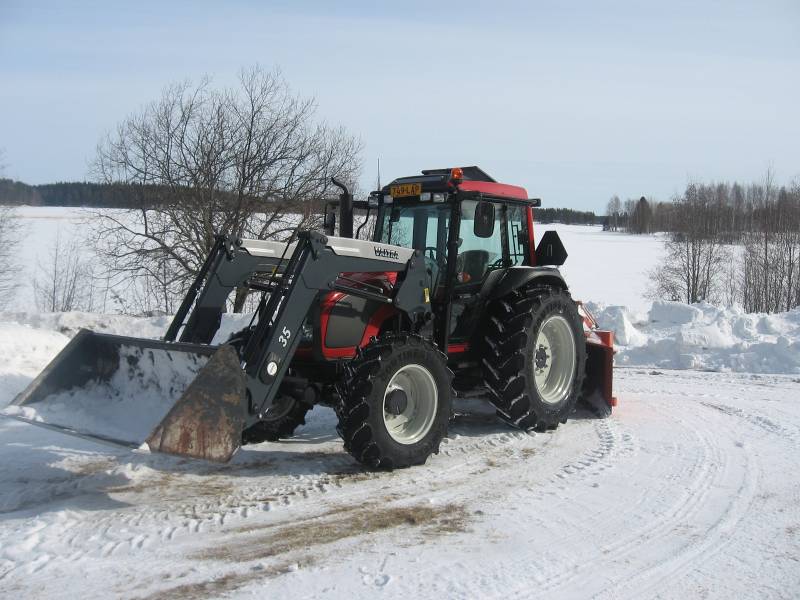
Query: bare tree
{"x": 247, "y": 161}
{"x": 65, "y": 281}
{"x": 11, "y": 232}
{"x": 613, "y": 209}
{"x": 694, "y": 261}
{"x": 10, "y": 235}
{"x": 771, "y": 262}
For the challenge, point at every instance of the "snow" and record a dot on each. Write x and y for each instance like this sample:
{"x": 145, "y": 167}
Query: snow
{"x": 705, "y": 337}
{"x": 686, "y": 491}
{"x": 682, "y": 493}
{"x": 42, "y": 227}
{"x": 607, "y": 267}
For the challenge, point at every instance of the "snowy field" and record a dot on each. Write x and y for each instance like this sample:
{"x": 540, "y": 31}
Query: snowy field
{"x": 689, "y": 490}
{"x": 602, "y": 267}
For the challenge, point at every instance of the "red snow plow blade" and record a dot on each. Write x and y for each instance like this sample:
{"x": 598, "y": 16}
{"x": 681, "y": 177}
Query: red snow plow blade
{"x": 177, "y": 398}
{"x": 597, "y": 394}
{"x": 597, "y": 387}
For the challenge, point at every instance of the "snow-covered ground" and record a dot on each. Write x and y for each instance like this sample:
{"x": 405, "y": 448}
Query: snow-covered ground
{"x": 689, "y": 490}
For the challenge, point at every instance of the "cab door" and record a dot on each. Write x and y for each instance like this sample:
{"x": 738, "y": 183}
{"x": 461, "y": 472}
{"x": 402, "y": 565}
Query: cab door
{"x": 480, "y": 258}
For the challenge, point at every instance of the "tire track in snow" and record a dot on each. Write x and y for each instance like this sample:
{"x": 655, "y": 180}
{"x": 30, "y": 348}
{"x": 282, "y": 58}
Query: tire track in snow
{"x": 118, "y": 531}
{"x": 758, "y": 421}
{"x": 713, "y": 540}
{"x": 612, "y": 445}
{"x": 714, "y": 534}
{"x": 706, "y": 462}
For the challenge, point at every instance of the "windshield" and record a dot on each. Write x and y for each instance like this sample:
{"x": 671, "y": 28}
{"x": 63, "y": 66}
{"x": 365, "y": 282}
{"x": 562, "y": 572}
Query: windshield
{"x": 420, "y": 226}
{"x": 417, "y": 226}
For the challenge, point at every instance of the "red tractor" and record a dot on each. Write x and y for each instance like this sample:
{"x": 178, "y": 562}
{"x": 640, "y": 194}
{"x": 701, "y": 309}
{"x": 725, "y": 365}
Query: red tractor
{"x": 449, "y": 296}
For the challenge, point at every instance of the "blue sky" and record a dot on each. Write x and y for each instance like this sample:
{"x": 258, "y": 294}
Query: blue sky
{"x": 575, "y": 101}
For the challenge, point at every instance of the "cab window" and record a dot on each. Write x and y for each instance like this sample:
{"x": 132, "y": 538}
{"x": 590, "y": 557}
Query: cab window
{"x": 476, "y": 256}
{"x": 517, "y": 219}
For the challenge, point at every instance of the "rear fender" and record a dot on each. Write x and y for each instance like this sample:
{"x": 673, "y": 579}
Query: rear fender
{"x": 502, "y": 283}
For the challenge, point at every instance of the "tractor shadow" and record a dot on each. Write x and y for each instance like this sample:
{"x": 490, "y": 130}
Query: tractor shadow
{"x": 476, "y": 417}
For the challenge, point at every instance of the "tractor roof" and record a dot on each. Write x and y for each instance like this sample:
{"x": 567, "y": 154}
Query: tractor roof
{"x": 472, "y": 173}
{"x": 474, "y": 179}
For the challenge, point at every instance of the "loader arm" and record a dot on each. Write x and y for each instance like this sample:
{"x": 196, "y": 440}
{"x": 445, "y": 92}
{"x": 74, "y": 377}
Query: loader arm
{"x": 195, "y": 399}
{"x": 314, "y": 265}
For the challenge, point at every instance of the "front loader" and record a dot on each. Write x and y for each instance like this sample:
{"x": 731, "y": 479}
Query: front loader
{"x": 448, "y": 297}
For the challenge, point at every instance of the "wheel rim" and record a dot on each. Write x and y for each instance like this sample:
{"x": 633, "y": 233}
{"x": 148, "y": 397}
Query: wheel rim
{"x": 422, "y": 400}
{"x": 281, "y": 406}
{"x": 554, "y": 360}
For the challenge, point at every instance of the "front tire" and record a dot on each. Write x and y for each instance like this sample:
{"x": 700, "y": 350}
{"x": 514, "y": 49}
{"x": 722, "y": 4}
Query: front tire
{"x": 282, "y": 418}
{"x": 286, "y": 414}
{"x": 396, "y": 402}
{"x": 535, "y": 357}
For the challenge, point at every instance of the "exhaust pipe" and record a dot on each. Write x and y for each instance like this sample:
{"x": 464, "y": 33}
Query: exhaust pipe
{"x": 345, "y": 209}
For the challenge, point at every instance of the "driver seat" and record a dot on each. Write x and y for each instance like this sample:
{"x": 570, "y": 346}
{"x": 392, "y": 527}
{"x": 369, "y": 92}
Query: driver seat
{"x": 475, "y": 264}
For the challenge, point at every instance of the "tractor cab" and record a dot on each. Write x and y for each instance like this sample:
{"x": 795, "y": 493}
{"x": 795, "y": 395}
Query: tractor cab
{"x": 471, "y": 230}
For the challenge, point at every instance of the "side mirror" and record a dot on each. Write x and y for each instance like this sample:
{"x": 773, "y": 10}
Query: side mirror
{"x": 484, "y": 220}
{"x": 329, "y": 223}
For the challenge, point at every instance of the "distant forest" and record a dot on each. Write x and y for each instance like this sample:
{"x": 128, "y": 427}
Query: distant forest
{"x": 98, "y": 195}
{"x": 95, "y": 195}
{"x": 566, "y": 216}
{"x": 121, "y": 195}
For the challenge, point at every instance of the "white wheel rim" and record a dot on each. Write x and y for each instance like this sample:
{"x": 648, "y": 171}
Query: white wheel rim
{"x": 554, "y": 359}
{"x": 417, "y": 418}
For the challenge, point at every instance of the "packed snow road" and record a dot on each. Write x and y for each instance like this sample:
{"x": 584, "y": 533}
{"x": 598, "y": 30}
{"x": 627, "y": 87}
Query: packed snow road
{"x": 689, "y": 490}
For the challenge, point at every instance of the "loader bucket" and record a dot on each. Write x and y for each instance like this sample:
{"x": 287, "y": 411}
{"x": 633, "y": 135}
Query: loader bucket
{"x": 181, "y": 399}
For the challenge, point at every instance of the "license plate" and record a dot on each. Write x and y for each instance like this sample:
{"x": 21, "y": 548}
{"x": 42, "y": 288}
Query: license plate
{"x": 406, "y": 189}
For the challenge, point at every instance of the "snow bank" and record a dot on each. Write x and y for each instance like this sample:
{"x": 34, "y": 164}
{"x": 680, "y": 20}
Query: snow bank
{"x": 69, "y": 323}
{"x": 673, "y": 335}
{"x": 669, "y": 335}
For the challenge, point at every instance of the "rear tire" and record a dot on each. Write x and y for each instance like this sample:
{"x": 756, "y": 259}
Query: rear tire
{"x": 396, "y": 402}
{"x": 535, "y": 357}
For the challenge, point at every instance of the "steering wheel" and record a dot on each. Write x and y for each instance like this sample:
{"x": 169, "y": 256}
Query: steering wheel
{"x": 497, "y": 264}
